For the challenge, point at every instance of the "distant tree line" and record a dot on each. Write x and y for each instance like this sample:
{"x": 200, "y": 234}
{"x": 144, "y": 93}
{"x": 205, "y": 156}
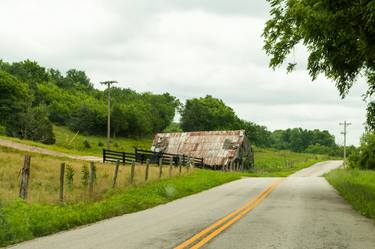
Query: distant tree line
{"x": 33, "y": 98}
{"x": 210, "y": 113}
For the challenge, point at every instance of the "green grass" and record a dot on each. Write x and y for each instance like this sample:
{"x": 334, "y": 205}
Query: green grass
{"x": 281, "y": 163}
{"x": 68, "y": 142}
{"x": 21, "y": 221}
{"x": 357, "y": 187}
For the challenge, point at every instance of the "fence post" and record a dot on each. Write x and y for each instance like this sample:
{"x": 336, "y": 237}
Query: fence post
{"x": 123, "y": 158}
{"x": 188, "y": 165}
{"x": 91, "y": 178}
{"x": 179, "y": 167}
{"x": 183, "y": 159}
{"x": 62, "y": 174}
{"x": 147, "y": 168}
{"x": 170, "y": 167}
{"x": 104, "y": 155}
{"x": 115, "y": 174}
{"x": 160, "y": 167}
{"x": 25, "y": 175}
{"x": 132, "y": 172}
{"x": 202, "y": 162}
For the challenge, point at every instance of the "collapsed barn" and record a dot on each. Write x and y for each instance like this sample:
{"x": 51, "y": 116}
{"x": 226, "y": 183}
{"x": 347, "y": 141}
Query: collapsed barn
{"x": 219, "y": 149}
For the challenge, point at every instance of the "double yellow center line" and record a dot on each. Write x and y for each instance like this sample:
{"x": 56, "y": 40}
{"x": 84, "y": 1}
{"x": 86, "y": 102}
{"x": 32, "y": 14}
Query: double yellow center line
{"x": 207, "y": 234}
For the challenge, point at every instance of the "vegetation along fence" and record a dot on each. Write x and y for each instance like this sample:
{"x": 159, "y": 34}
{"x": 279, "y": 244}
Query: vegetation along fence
{"x": 141, "y": 156}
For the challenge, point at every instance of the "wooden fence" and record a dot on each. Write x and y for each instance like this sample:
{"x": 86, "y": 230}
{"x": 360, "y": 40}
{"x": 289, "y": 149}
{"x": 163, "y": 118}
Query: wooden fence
{"x": 141, "y": 156}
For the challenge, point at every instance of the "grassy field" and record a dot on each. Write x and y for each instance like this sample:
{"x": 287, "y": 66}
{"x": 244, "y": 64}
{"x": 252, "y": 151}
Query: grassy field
{"x": 73, "y": 143}
{"x": 357, "y": 187}
{"x": 22, "y": 221}
{"x": 44, "y": 183}
{"x": 269, "y": 162}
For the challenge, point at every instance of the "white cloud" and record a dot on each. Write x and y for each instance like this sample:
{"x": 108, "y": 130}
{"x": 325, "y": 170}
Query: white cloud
{"x": 188, "y": 48}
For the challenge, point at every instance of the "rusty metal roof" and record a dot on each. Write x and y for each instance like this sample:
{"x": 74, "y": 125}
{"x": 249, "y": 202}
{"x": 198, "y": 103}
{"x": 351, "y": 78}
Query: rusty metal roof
{"x": 215, "y": 147}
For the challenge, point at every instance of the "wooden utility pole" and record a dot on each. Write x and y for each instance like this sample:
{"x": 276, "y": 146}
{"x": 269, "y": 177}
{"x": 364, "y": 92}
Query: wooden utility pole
{"x": 109, "y": 83}
{"x": 25, "y": 175}
{"x": 345, "y": 124}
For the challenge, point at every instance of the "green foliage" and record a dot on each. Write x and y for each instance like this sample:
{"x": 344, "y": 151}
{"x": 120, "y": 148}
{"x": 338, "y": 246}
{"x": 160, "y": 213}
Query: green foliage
{"x": 208, "y": 114}
{"x": 32, "y": 125}
{"x": 364, "y": 157}
{"x": 339, "y": 36}
{"x": 14, "y": 97}
{"x": 85, "y": 175}
{"x": 299, "y": 140}
{"x": 357, "y": 187}
{"x": 46, "y": 219}
{"x": 69, "y": 176}
{"x": 257, "y": 134}
{"x": 173, "y": 127}
{"x": 100, "y": 144}
{"x": 86, "y": 144}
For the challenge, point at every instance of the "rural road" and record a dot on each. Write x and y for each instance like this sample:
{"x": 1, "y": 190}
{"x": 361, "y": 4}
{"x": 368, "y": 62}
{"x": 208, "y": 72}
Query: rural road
{"x": 299, "y": 212}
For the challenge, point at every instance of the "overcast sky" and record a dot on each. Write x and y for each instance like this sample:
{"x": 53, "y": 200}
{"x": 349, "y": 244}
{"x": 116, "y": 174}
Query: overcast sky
{"x": 188, "y": 48}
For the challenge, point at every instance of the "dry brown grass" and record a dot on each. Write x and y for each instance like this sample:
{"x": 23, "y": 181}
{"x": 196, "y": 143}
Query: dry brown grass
{"x": 44, "y": 177}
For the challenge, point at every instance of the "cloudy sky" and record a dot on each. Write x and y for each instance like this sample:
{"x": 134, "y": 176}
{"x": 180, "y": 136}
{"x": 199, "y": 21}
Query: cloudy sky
{"x": 188, "y": 48}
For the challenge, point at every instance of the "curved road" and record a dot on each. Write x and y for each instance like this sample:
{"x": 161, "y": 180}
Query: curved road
{"x": 301, "y": 211}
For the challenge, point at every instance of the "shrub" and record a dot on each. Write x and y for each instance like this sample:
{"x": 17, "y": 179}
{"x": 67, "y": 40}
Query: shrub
{"x": 84, "y": 175}
{"x": 69, "y": 175}
{"x": 364, "y": 158}
{"x": 100, "y": 144}
{"x": 86, "y": 144}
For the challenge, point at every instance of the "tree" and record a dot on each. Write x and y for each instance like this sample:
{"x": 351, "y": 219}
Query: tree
{"x": 208, "y": 113}
{"x": 14, "y": 97}
{"x": 33, "y": 124}
{"x": 364, "y": 157}
{"x": 339, "y": 36}
{"x": 257, "y": 134}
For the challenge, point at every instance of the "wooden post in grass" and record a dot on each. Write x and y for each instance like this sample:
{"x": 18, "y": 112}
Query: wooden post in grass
{"x": 170, "y": 167}
{"x": 25, "y": 175}
{"x": 147, "y": 169}
{"x": 91, "y": 178}
{"x": 188, "y": 164}
{"x": 115, "y": 174}
{"x": 62, "y": 175}
{"x": 160, "y": 167}
{"x": 132, "y": 173}
{"x": 179, "y": 167}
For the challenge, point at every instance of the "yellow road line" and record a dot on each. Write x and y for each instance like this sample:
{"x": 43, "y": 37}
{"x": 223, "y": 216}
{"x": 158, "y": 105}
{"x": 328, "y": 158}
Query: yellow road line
{"x": 247, "y": 207}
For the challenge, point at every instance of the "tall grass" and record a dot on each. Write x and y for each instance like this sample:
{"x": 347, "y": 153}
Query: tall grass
{"x": 22, "y": 221}
{"x": 357, "y": 187}
{"x": 44, "y": 177}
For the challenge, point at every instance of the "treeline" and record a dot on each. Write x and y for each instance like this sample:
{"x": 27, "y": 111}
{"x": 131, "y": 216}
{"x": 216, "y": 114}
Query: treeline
{"x": 32, "y": 98}
{"x": 209, "y": 113}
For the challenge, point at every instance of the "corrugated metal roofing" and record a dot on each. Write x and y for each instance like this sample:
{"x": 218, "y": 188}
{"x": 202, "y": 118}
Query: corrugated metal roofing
{"x": 215, "y": 147}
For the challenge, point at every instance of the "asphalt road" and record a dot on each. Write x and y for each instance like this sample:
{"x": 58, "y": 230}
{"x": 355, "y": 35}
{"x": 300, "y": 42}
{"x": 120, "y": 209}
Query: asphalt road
{"x": 301, "y": 211}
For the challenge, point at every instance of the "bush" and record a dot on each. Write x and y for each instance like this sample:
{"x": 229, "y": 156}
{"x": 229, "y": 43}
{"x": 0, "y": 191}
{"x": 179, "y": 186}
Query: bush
{"x": 85, "y": 175}
{"x": 86, "y": 144}
{"x": 69, "y": 175}
{"x": 100, "y": 144}
{"x": 364, "y": 158}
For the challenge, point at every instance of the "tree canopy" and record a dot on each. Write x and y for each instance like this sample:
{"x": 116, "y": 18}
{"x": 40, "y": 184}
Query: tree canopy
{"x": 339, "y": 37}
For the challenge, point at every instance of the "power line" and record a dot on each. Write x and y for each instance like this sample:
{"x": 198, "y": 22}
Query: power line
{"x": 109, "y": 83}
{"x": 345, "y": 124}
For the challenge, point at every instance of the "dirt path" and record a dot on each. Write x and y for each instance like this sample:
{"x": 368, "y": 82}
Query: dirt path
{"x": 30, "y": 148}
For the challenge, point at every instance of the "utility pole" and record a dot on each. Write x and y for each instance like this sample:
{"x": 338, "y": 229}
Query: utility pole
{"x": 345, "y": 124}
{"x": 109, "y": 83}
